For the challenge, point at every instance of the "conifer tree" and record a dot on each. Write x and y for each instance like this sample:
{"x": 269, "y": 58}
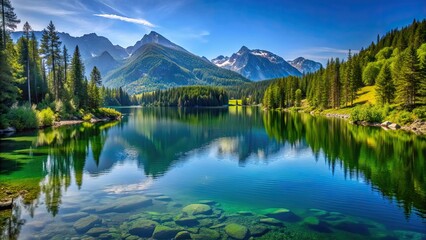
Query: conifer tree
{"x": 76, "y": 79}
{"x": 50, "y": 48}
{"x": 407, "y": 87}
{"x": 9, "y": 20}
{"x": 385, "y": 88}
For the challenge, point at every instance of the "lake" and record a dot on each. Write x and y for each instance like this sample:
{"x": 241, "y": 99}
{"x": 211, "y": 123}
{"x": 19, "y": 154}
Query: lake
{"x": 213, "y": 174}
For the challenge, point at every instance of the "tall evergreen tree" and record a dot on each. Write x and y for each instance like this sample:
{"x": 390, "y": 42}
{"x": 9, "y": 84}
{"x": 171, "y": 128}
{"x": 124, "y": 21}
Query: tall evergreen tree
{"x": 50, "y": 48}
{"x": 9, "y": 20}
{"x": 385, "y": 88}
{"x": 27, "y": 29}
{"x": 76, "y": 79}
{"x": 9, "y": 90}
{"x": 407, "y": 87}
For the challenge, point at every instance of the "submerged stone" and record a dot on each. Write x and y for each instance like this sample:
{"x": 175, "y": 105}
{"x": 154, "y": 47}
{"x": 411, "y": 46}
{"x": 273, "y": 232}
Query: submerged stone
{"x": 154, "y": 194}
{"x": 187, "y": 221}
{"x": 311, "y": 221}
{"x": 163, "y": 198}
{"x": 283, "y": 214}
{"x": 353, "y": 227}
{"x": 72, "y": 217}
{"x": 245, "y": 213}
{"x": 183, "y": 235}
{"x": 164, "y": 232}
{"x": 271, "y": 221}
{"x": 125, "y": 204}
{"x": 196, "y": 209}
{"x": 220, "y": 225}
{"x": 208, "y": 202}
{"x": 142, "y": 227}
{"x": 318, "y": 212}
{"x": 206, "y": 234}
{"x": 258, "y": 230}
{"x": 96, "y": 231}
{"x": 86, "y": 223}
{"x": 236, "y": 231}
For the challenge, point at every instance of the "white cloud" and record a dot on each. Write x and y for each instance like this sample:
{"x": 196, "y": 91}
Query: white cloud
{"x": 127, "y": 19}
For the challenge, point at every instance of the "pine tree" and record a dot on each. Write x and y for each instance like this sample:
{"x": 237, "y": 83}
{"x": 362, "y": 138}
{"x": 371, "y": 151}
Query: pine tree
{"x": 298, "y": 98}
{"x": 407, "y": 87}
{"x": 9, "y": 90}
{"x": 9, "y": 20}
{"x": 95, "y": 99}
{"x": 385, "y": 88}
{"x": 50, "y": 48}
{"x": 76, "y": 79}
{"x": 27, "y": 29}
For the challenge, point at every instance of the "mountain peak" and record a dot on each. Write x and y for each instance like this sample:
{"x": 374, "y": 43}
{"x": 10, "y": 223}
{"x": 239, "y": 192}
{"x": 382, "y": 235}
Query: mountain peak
{"x": 156, "y": 38}
{"x": 244, "y": 49}
{"x": 305, "y": 65}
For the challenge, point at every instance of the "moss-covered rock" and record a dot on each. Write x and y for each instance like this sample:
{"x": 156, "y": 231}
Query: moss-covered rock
{"x": 236, "y": 231}
{"x": 271, "y": 221}
{"x": 258, "y": 230}
{"x": 189, "y": 221}
{"x": 142, "y": 227}
{"x": 72, "y": 217}
{"x": 196, "y": 209}
{"x": 96, "y": 231}
{"x": 312, "y": 221}
{"x": 164, "y": 232}
{"x": 86, "y": 223}
{"x": 183, "y": 235}
{"x": 206, "y": 234}
{"x": 282, "y": 214}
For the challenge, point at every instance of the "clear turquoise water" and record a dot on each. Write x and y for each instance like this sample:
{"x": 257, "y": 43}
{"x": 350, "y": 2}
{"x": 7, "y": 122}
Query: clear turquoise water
{"x": 365, "y": 183}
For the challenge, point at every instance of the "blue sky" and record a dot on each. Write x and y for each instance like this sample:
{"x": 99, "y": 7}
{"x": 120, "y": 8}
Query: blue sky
{"x": 312, "y": 29}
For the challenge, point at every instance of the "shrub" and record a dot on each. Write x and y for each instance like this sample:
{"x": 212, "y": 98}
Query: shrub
{"x": 4, "y": 123}
{"x": 108, "y": 112}
{"x": 22, "y": 118}
{"x": 46, "y": 117}
{"x": 368, "y": 113}
{"x": 87, "y": 117}
{"x": 420, "y": 112}
{"x": 404, "y": 118}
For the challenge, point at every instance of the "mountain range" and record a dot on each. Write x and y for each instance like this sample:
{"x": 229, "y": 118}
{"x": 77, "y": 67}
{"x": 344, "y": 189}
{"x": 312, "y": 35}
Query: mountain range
{"x": 155, "y": 62}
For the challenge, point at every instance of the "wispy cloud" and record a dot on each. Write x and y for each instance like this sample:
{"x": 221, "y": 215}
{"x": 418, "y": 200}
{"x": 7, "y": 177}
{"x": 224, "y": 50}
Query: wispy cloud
{"x": 127, "y": 19}
{"x": 329, "y": 50}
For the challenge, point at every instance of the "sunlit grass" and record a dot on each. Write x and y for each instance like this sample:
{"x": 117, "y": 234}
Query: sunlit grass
{"x": 235, "y": 102}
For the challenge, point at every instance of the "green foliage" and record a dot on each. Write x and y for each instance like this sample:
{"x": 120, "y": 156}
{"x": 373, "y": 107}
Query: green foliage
{"x": 298, "y": 98}
{"x": 420, "y": 112}
{"x": 87, "y": 117}
{"x": 281, "y": 93}
{"x": 371, "y": 72}
{"x": 107, "y": 113}
{"x": 22, "y": 117}
{"x": 186, "y": 97}
{"x": 368, "y": 113}
{"x": 46, "y": 117}
{"x": 8, "y": 90}
{"x": 385, "y": 88}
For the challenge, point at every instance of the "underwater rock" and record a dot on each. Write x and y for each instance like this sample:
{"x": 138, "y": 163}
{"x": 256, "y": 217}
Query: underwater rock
{"x": 163, "y": 198}
{"x": 154, "y": 194}
{"x": 208, "y": 202}
{"x": 220, "y": 225}
{"x": 206, "y": 234}
{"x": 35, "y": 225}
{"x": 8, "y": 204}
{"x": 236, "y": 231}
{"x": 142, "y": 227}
{"x": 196, "y": 209}
{"x": 258, "y": 230}
{"x": 86, "y": 223}
{"x": 318, "y": 212}
{"x": 125, "y": 204}
{"x": 283, "y": 214}
{"x": 183, "y": 235}
{"x": 164, "y": 232}
{"x": 271, "y": 221}
{"x": 96, "y": 231}
{"x": 187, "y": 221}
{"x": 311, "y": 221}
{"x": 205, "y": 222}
{"x": 72, "y": 217}
{"x": 245, "y": 213}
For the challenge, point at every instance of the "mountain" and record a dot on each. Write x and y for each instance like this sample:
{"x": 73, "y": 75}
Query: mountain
{"x": 90, "y": 45}
{"x": 153, "y": 37}
{"x": 256, "y": 64}
{"x": 305, "y": 65}
{"x": 161, "y": 64}
{"x": 105, "y": 63}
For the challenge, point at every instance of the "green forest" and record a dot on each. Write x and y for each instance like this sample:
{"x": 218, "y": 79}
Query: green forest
{"x": 393, "y": 68}
{"x": 191, "y": 96}
{"x": 42, "y": 83}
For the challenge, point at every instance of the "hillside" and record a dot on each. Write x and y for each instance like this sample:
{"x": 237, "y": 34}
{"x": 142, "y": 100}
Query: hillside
{"x": 154, "y": 67}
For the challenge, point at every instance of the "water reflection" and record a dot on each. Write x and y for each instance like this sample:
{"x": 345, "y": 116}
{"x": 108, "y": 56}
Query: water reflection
{"x": 46, "y": 163}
